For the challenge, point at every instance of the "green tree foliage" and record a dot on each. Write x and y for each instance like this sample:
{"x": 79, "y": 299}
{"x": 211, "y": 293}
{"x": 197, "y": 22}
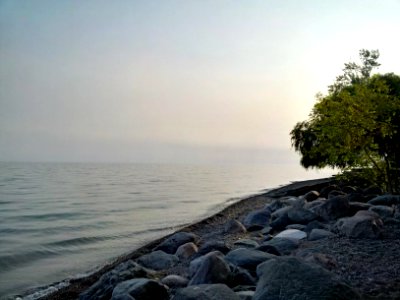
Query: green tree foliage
{"x": 356, "y": 125}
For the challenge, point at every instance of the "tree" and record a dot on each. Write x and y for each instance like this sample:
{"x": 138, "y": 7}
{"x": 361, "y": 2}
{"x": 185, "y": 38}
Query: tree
{"x": 356, "y": 125}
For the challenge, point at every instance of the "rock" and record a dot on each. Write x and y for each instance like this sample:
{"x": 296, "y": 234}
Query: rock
{"x": 246, "y": 243}
{"x": 291, "y": 278}
{"x": 334, "y": 194}
{"x": 318, "y": 234}
{"x": 280, "y": 223}
{"x": 356, "y": 197}
{"x": 240, "y": 277}
{"x": 296, "y": 226}
{"x": 234, "y": 226}
{"x": 280, "y": 212}
{"x": 103, "y": 288}
{"x": 333, "y": 208}
{"x": 383, "y": 211}
{"x": 245, "y": 295}
{"x": 247, "y": 258}
{"x": 212, "y": 268}
{"x": 171, "y": 244}
{"x": 274, "y": 205}
{"x": 158, "y": 260}
{"x": 312, "y": 256}
{"x": 349, "y": 189}
{"x": 313, "y": 225}
{"x": 140, "y": 289}
{"x": 357, "y": 206}
{"x": 311, "y": 205}
{"x": 311, "y": 196}
{"x": 364, "y": 224}
{"x": 259, "y": 217}
{"x": 283, "y": 246}
{"x": 292, "y": 234}
{"x": 385, "y": 200}
{"x": 373, "y": 190}
{"x": 213, "y": 246}
{"x": 326, "y": 190}
{"x": 206, "y": 292}
{"x": 175, "y": 281}
{"x": 186, "y": 251}
{"x": 266, "y": 230}
{"x": 269, "y": 249}
{"x": 301, "y": 216}
{"x": 396, "y": 214}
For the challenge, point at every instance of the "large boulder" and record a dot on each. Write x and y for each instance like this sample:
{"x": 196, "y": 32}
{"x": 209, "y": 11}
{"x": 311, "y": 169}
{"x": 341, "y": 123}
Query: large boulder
{"x": 257, "y": 218}
{"x": 103, "y": 288}
{"x": 282, "y": 245}
{"x": 158, "y": 260}
{"x": 140, "y": 289}
{"x": 213, "y": 245}
{"x": 211, "y": 268}
{"x": 247, "y": 258}
{"x": 171, "y": 244}
{"x": 175, "y": 281}
{"x": 334, "y": 208}
{"x": 385, "y": 200}
{"x": 206, "y": 292}
{"x": 383, "y": 211}
{"x": 291, "y": 278}
{"x": 364, "y": 224}
{"x": 186, "y": 251}
{"x": 234, "y": 226}
{"x": 301, "y": 215}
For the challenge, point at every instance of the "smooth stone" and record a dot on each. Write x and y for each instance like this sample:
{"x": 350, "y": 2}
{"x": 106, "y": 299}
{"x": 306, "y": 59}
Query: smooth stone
{"x": 301, "y": 215}
{"x": 280, "y": 223}
{"x": 364, "y": 224}
{"x": 234, "y": 226}
{"x": 333, "y": 208}
{"x": 247, "y": 258}
{"x": 172, "y": 243}
{"x": 246, "y": 243}
{"x": 266, "y": 230}
{"x": 313, "y": 225}
{"x": 274, "y": 205}
{"x": 383, "y": 211}
{"x": 280, "y": 212}
{"x": 186, "y": 251}
{"x": 291, "y": 278}
{"x": 282, "y": 245}
{"x": 259, "y": 217}
{"x": 210, "y": 246}
{"x": 175, "y": 281}
{"x": 240, "y": 277}
{"x": 158, "y": 260}
{"x": 312, "y": 205}
{"x": 140, "y": 288}
{"x": 357, "y": 206}
{"x": 245, "y": 295}
{"x": 296, "y": 226}
{"x": 387, "y": 200}
{"x": 318, "y": 234}
{"x": 206, "y": 292}
{"x": 311, "y": 196}
{"x": 103, "y": 288}
{"x": 292, "y": 234}
{"x": 212, "y": 268}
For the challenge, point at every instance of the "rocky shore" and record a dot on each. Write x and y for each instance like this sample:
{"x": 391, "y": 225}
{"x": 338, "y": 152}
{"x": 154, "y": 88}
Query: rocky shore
{"x": 308, "y": 240}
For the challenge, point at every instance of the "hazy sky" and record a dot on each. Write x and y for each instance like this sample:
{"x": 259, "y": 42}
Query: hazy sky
{"x": 175, "y": 81}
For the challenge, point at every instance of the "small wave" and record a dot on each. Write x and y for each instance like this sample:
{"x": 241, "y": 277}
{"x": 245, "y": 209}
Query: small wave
{"x": 52, "y": 216}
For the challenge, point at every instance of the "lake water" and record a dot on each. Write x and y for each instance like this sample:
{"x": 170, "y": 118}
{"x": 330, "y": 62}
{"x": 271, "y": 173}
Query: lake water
{"x": 59, "y": 220}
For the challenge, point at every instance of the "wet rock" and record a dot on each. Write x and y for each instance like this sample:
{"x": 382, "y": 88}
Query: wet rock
{"x": 385, "y": 200}
{"x": 140, "y": 289}
{"x": 319, "y": 234}
{"x": 246, "y": 243}
{"x": 234, "y": 226}
{"x": 333, "y": 208}
{"x": 158, "y": 260}
{"x": 364, "y": 224}
{"x": 213, "y": 246}
{"x": 301, "y": 216}
{"x": 291, "y": 278}
{"x": 175, "y": 281}
{"x": 171, "y": 244}
{"x": 186, "y": 251}
{"x": 293, "y": 234}
{"x": 282, "y": 245}
{"x": 257, "y": 218}
{"x": 383, "y": 211}
{"x": 212, "y": 268}
{"x": 311, "y": 196}
{"x": 103, "y": 288}
{"x": 247, "y": 258}
{"x": 206, "y": 292}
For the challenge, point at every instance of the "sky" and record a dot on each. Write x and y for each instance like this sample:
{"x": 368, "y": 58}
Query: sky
{"x": 175, "y": 81}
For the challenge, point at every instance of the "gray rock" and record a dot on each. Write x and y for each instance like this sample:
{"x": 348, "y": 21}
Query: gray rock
{"x": 396, "y": 213}
{"x": 280, "y": 212}
{"x": 311, "y": 205}
{"x": 326, "y": 190}
{"x": 257, "y": 218}
{"x": 319, "y": 234}
{"x": 301, "y": 216}
{"x": 246, "y": 243}
{"x": 283, "y": 246}
{"x": 281, "y": 222}
{"x": 245, "y": 295}
{"x": 175, "y": 281}
{"x": 385, "y": 200}
{"x": 140, "y": 289}
{"x": 158, "y": 260}
{"x": 364, "y": 224}
{"x": 373, "y": 190}
{"x": 315, "y": 224}
{"x": 293, "y": 234}
{"x": 103, "y": 288}
{"x": 206, "y": 292}
{"x": 383, "y": 211}
{"x": 296, "y": 226}
{"x": 247, "y": 258}
{"x": 171, "y": 244}
{"x": 274, "y": 205}
{"x": 213, "y": 246}
{"x": 186, "y": 251}
{"x": 313, "y": 256}
{"x": 333, "y": 208}
{"x": 211, "y": 268}
{"x": 291, "y": 278}
{"x": 240, "y": 277}
{"x": 311, "y": 196}
{"x": 234, "y": 226}
{"x": 357, "y": 206}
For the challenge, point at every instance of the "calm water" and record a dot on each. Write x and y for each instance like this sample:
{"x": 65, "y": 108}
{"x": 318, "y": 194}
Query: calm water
{"x": 61, "y": 220}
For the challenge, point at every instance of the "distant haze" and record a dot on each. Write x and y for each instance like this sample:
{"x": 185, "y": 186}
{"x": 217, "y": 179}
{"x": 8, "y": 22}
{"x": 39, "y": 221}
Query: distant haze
{"x": 175, "y": 81}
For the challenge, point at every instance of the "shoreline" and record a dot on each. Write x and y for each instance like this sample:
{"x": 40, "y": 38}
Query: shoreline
{"x": 201, "y": 227}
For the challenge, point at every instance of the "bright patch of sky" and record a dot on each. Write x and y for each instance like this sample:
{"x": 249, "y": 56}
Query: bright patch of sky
{"x": 175, "y": 81}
